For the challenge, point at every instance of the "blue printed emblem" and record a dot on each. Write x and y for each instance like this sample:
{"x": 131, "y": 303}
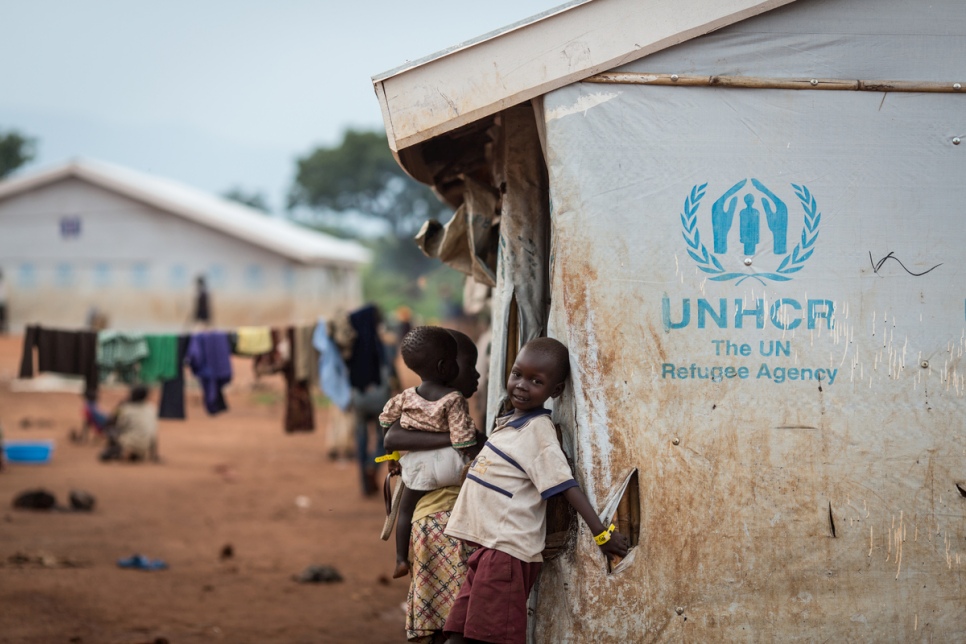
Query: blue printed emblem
{"x": 749, "y": 210}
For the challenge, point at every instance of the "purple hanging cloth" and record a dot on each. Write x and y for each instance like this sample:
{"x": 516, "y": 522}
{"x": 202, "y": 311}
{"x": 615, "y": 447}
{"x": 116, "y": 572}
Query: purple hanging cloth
{"x": 209, "y": 357}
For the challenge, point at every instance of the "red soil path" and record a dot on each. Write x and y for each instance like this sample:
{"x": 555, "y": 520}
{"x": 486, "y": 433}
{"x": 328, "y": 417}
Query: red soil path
{"x": 230, "y": 479}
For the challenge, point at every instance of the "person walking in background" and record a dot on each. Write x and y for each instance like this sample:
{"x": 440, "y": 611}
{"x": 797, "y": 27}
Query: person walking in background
{"x": 202, "y": 312}
{"x": 373, "y": 378}
{"x": 3, "y": 305}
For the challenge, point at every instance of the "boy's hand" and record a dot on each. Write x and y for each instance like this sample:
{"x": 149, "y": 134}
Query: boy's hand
{"x": 617, "y": 546}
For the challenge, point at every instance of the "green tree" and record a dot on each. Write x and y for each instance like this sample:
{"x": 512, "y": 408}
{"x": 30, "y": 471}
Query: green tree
{"x": 359, "y": 177}
{"x": 15, "y": 150}
{"x": 254, "y": 200}
{"x": 349, "y": 186}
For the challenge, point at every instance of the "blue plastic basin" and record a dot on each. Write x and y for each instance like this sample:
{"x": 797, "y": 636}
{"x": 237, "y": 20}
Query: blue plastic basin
{"x": 28, "y": 451}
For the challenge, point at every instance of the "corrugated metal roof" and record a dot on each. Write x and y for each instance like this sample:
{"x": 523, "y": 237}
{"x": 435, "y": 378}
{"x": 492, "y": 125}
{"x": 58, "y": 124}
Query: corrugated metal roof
{"x": 237, "y": 220}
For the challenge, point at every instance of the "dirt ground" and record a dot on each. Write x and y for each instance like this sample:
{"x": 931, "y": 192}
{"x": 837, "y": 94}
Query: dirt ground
{"x": 232, "y": 479}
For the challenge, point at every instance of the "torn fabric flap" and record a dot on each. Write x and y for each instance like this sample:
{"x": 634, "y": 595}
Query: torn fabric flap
{"x": 610, "y": 508}
{"x": 525, "y": 224}
{"x": 476, "y": 296}
{"x": 468, "y": 242}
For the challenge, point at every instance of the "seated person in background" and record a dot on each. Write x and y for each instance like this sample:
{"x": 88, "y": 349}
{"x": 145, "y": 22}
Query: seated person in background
{"x": 134, "y": 433}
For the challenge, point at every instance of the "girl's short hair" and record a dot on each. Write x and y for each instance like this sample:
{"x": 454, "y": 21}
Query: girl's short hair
{"x": 424, "y": 347}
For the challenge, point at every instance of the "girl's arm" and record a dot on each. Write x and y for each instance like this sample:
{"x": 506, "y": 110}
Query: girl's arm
{"x": 617, "y": 545}
{"x": 410, "y": 440}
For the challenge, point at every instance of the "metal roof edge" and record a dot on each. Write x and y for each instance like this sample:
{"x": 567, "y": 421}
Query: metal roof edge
{"x": 283, "y": 238}
{"x": 472, "y": 42}
{"x": 435, "y": 95}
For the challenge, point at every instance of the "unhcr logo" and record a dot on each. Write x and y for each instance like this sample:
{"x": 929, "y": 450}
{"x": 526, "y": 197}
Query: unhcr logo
{"x": 743, "y": 207}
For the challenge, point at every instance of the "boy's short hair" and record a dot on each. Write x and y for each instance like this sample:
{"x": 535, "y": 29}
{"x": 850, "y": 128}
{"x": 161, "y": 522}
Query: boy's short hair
{"x": 554, "y": 351}
{"x": 424, "y": 347}
{"x": 138, "y": 393}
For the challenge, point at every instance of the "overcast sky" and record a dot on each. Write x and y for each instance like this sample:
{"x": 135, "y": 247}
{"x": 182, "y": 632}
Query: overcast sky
{"x": 215, "y": 93}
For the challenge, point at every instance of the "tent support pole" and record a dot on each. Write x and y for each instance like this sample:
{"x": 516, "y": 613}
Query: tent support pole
{"x": 750, "y": 82}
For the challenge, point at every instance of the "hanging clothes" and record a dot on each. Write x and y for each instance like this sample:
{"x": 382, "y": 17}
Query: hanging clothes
{"x": 161, "y": 362}
{"x": 299, "y": 410}
{"x": 65, "y": 352}
{"x": 253, "y": 341}
{"x": 342, "y": 333}
{"x": 304, "y": 354}
{"x": 367, "y": 353}
{"x": 333, "y": 373}
{"x": 120, "y": 352}
{"x": 272, "y": 361}
{"x": 172, "y": 391}
{"x": 209, "y": 356}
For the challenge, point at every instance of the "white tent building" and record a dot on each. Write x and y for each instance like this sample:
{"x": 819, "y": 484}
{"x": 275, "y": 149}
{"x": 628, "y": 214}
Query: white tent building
{"x": 744, "y": 219}
{"x": 90, "y": 235}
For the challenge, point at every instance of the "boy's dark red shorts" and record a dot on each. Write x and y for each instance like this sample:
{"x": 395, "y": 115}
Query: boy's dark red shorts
{"x": 492, "y": 603}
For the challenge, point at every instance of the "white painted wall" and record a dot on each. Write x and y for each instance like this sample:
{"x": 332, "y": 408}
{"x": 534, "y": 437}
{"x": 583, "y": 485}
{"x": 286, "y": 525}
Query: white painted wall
{"x": 70, "y": 246}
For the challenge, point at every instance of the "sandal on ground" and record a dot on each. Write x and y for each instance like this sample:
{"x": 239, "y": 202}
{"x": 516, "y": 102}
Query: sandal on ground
{"x": 140, "y": 562}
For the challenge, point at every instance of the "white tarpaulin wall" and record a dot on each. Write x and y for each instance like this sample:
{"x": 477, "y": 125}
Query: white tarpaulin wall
{"x": 762, "y": 291}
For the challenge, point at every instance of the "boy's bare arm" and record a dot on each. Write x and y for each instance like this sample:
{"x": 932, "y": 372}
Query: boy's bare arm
{"x": 618, "y": 542}
{"x": 410, "y": 440}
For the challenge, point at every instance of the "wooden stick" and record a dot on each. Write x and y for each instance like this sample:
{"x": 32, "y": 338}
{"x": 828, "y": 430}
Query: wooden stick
{"x": 750, "y": 82}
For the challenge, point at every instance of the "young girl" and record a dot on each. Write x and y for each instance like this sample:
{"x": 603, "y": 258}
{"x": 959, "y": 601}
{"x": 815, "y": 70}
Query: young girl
{"x": 435, "y": 405}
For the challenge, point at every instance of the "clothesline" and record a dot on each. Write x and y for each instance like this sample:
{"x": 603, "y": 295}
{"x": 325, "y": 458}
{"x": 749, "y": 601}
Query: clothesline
{"x": 337, "y": 354}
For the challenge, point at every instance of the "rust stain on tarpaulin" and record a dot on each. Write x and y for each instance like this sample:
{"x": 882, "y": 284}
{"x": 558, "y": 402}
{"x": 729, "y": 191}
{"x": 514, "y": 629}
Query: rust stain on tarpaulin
{"x": 598, "y": 334}
{"x": 594, "y": 337}
{"x": 657, "y": 337}
{"x": 703, "y": 539}
{"x": 690, "y": 501}
{"x": 735, "y": 516}
{"x": 577, "y": 285}
{"x": 605, "y": 413}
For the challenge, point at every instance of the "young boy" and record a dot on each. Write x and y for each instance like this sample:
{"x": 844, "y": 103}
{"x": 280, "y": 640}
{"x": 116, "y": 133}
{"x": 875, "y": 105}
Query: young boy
{"x": 502, "y": 506}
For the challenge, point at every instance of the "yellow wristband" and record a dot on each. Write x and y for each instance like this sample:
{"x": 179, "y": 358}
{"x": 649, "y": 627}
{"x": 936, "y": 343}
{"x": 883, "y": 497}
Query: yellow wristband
{"x": 388, "y": 457}
{"x": 604, "y": 536}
